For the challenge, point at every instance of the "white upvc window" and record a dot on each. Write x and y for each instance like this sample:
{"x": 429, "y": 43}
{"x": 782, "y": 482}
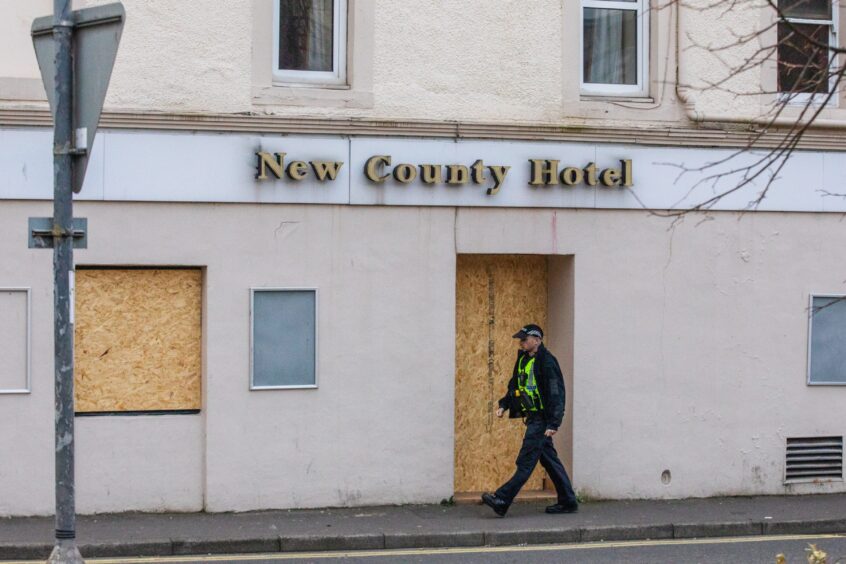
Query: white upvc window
{"x": 283, "y": 338}
{"x": 804, "y": 67}
{"x": 826, "y": 347}
{"x": 615, "y": 47}
{"x": 310, "y": 42}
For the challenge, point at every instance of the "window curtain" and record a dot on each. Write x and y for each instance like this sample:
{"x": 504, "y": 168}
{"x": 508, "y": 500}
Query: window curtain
{"x": 320, "y": 46}
{"x": 610, "y": 49}
{"x": 306, "y": 35}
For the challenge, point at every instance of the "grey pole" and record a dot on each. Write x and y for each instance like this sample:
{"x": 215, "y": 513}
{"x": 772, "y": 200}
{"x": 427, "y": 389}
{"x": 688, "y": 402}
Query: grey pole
{"x": 65, "y": 550}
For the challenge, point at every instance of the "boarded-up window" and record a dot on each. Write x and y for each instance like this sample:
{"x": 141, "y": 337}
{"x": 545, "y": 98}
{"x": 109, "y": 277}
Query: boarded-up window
{"x": 14, "y": 340}
{"x": 138, "y": 340}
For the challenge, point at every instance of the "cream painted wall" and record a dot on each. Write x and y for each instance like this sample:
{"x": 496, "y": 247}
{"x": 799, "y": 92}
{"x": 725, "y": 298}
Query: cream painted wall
{"x": 27, "y": 463}
{"x": 509, "y": 61}
{"x": 182, "y": 56}
{"x": 385, "y": 369}
{"x": 689, "y": 354}
{"x": 429, "y": 59}
{"x": 425, "y": 60}
{"x": 17, "y": 57}
{"x": 123, "y": 463}
{"x": 140, "y": 463}
{"x": 690, "y": 344}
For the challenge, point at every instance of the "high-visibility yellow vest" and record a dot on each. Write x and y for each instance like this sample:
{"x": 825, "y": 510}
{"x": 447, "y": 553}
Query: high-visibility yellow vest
{"x": 527, "y": 386}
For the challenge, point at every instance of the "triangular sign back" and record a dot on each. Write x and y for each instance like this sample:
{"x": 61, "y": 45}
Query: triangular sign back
{"x": 96, "y": 36}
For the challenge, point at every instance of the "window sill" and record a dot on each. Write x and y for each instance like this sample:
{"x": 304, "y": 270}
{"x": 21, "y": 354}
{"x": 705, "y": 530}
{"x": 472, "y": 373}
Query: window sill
{"x": 324, "y": 96}
{"x": 616, "y": 98}
{"x": 808, "y": 100}
{"x": 310, "y": 85}
{"x": 293, "y": 387}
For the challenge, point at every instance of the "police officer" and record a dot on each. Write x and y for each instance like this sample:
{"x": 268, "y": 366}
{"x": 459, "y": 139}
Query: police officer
{"x": 536, "y": 392}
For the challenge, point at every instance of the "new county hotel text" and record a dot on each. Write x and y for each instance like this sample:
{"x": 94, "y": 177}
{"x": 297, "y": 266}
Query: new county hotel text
{"x": 544, "y": 172}
{"x": 312, "y": 305}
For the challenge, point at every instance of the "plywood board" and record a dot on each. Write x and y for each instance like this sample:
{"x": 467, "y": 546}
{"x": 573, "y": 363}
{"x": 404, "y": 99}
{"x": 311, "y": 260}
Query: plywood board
{"x": 495, "y": 296}
{"x": 138, "y": 340}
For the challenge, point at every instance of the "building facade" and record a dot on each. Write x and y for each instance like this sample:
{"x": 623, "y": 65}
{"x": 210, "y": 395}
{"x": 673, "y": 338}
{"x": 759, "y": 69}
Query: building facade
{"x": 313, "y": 226}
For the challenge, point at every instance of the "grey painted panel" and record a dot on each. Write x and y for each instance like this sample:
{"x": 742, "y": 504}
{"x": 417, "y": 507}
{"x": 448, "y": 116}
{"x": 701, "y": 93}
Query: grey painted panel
{"x": 828, "y": 341}
{"x": 13, "y": 340}
{"x": 284, "y": 338}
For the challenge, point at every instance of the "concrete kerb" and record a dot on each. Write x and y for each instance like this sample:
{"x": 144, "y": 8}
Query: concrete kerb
{"x": 705, "y": 530}
{"x": 529, "y": 537}
{"x": 225, "y": 546}
{"x": 457, "y": 539}
{"x": 315, "y": 543}
{"x": 821, "y": 526}
{"x": 626, "y": 533}
{"x": 453, "y": 539}
{"x": 117, "y": 549}
{"x": 25, "y": 551}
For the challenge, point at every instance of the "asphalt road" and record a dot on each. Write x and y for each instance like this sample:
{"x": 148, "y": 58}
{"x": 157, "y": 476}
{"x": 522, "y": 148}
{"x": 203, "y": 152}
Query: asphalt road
{"x": 749, "y": 550}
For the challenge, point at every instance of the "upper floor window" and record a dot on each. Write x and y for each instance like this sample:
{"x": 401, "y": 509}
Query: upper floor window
{"x": 806, "y": 32}
{"x": 615, "y": 52}
{"x": 310, "y": 39}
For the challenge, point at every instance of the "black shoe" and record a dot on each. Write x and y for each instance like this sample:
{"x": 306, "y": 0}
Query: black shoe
{"x": 499, "y": 506}
{"x": 559, "y": 508}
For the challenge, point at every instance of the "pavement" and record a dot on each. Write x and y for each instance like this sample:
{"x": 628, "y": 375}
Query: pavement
{"x": 425, "y": 526}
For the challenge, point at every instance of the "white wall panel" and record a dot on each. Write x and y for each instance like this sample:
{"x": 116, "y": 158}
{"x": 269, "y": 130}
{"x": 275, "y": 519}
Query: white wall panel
{"x": 185, "y": 167}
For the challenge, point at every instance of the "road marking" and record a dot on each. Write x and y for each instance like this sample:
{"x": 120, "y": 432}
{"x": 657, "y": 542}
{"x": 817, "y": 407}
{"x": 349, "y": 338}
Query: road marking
{"x": 383, "y": 553}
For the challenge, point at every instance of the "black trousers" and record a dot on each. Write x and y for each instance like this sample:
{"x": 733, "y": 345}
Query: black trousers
{"x": 538, "y": 448}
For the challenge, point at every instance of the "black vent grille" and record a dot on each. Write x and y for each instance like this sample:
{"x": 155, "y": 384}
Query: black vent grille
{"x": 814, "y": 458}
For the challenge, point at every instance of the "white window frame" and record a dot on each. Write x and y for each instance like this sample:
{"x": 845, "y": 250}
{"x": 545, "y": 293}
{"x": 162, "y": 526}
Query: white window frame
{"x": 314, "y": 386}
{"x": 810, "y": 337}
{"x": 28, "y": 388}
{"x": 337, "y": 77}
{"x": 804, "y": 99}
{"x": 636, "y": 90}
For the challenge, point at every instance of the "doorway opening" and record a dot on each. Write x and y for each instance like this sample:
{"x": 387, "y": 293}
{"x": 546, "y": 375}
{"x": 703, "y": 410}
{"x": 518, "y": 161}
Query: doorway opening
{"x": 495, "y": 296}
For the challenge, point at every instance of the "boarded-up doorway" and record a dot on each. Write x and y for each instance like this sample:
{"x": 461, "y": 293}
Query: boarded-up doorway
{"x": 495, "y": 296}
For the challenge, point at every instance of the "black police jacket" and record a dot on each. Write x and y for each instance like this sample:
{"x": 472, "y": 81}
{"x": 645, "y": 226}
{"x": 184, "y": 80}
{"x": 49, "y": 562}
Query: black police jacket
{"x": 550, "y": 385}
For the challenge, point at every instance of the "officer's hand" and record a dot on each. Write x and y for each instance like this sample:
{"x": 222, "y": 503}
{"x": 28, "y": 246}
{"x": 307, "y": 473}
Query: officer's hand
{"x": 499, "y": 412}
{"x": 550, "y": 432}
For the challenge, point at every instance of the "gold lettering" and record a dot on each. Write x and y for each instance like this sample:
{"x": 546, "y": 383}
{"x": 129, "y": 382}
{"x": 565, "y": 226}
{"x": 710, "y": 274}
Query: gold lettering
{"x": 457, "y": 174}
{"x": 374, "y": 166}
{"x": 628, "y": 179}
{"x": 610, "y": 177}
{"x": 405, "y": 173}
{"x": 543, "y": 172}
{"x": 297, "y": 170}
{"x": 478, "y": 173}
{"x": 430, "y": 174}
{"x": 499, "y": 173}
{"x": 572, "y": 176}
{"x": 275, "y": 163}
{"x": 326, "y": 169}
{"x": 590, "y": 174}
